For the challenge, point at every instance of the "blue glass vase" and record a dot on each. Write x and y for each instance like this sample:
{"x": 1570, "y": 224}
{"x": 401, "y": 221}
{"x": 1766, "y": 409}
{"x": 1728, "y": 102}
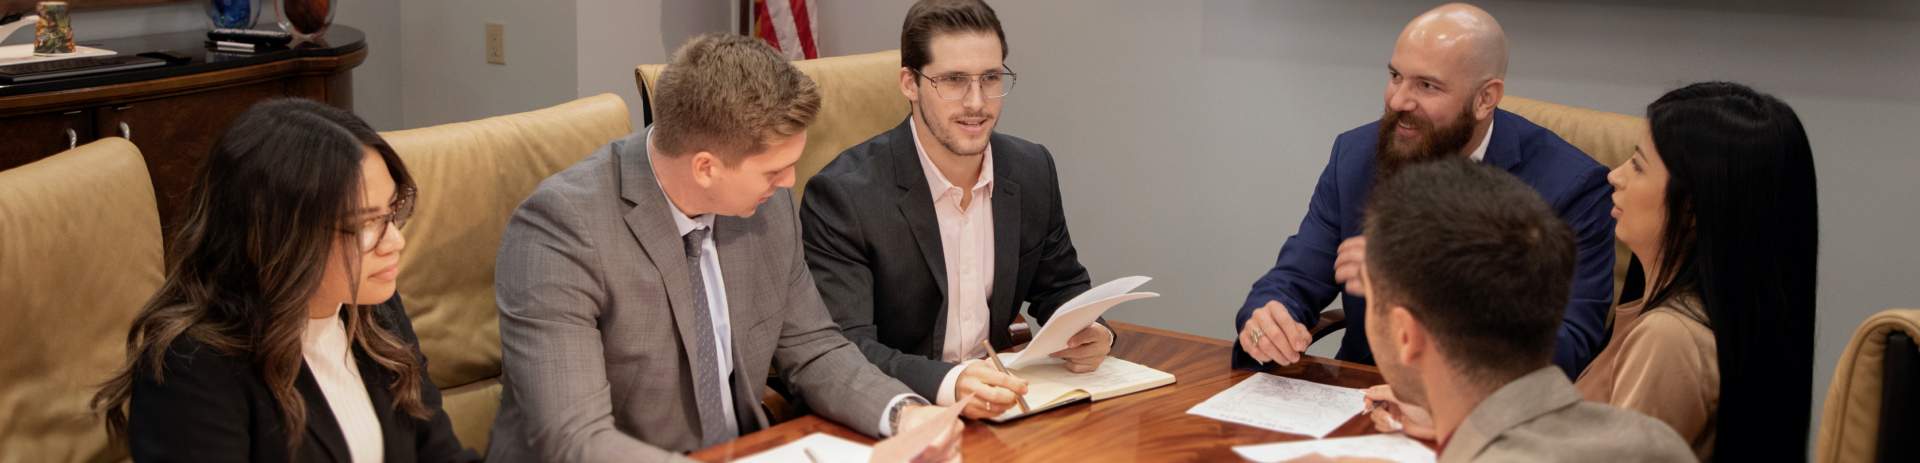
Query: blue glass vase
{"x": 233, "y": 14}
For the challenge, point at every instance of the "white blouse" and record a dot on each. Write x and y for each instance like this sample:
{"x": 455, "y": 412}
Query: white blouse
{"x": 330, "y": 357}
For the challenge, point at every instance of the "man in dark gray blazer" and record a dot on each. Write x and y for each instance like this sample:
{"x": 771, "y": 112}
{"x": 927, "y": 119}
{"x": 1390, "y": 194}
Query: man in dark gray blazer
{"x": 645, "y": 291}
{"x": 927, "y": 239}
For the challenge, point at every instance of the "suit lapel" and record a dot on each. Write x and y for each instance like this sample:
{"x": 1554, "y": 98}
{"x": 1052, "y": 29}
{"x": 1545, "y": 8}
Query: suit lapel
{"x": 323, "y": 430}
{"x": 916, "y": 203}
{"x": 1006, "y": 246}
{"x": 737, "y": 253}
{"x": 1503, "y": 146}
{"x": 651, "y": 223}
{"x": 384, "y": 407}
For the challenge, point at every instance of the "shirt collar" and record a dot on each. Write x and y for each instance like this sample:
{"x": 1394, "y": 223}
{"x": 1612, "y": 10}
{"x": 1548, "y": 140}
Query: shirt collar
{"x": 1480, "y": 154}
{"x": 937, "y": 183}
{"x": 681, "y": 222}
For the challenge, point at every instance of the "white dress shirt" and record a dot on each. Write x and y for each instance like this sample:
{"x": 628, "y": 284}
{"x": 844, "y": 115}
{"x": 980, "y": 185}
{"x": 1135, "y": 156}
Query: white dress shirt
{"x": 330, "y": 357}
{"x": 966, "y": 243}
{"x": 1480, "y": 154}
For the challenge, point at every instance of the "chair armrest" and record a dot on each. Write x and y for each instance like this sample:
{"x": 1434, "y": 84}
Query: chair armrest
{"x": 1330, "y": 321}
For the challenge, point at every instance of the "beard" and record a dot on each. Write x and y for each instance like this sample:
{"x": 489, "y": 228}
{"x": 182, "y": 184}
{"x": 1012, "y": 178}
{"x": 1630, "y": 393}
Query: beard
{"x": 947, "y": 138}
{"x": 1391, "y": 155}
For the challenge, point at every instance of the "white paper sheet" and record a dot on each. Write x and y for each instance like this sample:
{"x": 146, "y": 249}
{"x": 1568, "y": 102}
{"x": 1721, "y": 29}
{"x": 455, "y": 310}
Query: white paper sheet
{"x": 1075, "y": 315}
{"x": 827, "y": 448}
{"x": 1284, "y": 404}
{"x": 1391, "y": 447}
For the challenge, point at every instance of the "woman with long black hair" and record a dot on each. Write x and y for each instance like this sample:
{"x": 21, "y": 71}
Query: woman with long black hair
{"x": 277, "y": 335}
{"x": 1719, "y": 206}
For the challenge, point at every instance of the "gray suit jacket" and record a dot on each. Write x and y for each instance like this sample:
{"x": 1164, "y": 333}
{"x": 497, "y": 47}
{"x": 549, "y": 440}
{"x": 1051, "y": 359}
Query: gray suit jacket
{"x": 596, "y": 321}
{"x": 1541, "y": 417}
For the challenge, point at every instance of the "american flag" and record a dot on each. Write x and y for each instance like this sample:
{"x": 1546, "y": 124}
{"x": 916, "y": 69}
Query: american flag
{"x": 787, "y": 25}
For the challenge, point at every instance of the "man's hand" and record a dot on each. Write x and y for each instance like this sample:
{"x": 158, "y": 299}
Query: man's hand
{"x": 993, "y": 392}
{"x": 1086, "y": 349}
{"x": 927, "y": 434}
{"x": 1271, "y": 335}
{"x": 1390, "y": 414}
{"x": 1346, "y": 265}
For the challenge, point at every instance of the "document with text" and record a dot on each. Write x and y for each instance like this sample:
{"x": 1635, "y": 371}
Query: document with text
{"x": 1050, "y": 385}
{"x": 1393, "y": 447}
{"x": 1284, "y": 404}
{"x": 816, "y": 447}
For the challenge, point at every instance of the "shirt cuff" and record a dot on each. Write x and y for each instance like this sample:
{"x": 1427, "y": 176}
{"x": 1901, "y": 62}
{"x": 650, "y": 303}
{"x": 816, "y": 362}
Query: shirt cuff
{"x": 886, "y": 417}
{"x": 947, "y": 384}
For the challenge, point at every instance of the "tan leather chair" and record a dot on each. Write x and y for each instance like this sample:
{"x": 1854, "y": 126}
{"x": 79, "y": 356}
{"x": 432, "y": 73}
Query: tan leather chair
{"x": 81, "y": 254}
{"x": 1853, "y": 427}
{"x": 471, "y": 176}
{"x": 859, "y": 98}
{"x": 1607, "y": 137}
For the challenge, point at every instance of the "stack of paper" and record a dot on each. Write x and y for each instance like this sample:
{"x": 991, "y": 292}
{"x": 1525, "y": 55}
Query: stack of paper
{"x": 1391, "y": 447}
{"x": 818, "y": 447}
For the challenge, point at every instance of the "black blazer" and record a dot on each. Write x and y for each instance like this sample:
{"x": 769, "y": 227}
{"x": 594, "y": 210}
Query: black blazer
{"x": 873, "y": 244}
{"x": 216, "y": 407}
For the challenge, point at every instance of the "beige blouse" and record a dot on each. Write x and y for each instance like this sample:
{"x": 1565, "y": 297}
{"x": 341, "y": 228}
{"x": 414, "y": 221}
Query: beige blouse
{"x": 1663, "y": 364}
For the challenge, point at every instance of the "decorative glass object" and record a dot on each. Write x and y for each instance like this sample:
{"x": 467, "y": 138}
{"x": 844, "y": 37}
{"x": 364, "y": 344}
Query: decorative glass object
{"x": 233, "y": 14}
{"x": 54, "y": 34}
{"x": 307, "y": 20}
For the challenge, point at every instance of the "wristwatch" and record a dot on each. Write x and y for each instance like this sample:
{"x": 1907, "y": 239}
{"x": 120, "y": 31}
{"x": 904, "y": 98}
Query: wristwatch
{"x": 893, "y": 414}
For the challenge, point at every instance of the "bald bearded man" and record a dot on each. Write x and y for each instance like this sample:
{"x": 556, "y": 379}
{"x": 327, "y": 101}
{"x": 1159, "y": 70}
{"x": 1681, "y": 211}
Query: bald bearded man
{"x": 1444, "y": 80}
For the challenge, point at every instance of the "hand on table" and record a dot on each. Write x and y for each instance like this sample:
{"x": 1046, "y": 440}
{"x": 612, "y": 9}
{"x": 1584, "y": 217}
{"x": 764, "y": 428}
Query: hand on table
{"x": 1390, "y": 414}
{"x": 927, "y": 434}
{"x": 1271, "y": 335}
{"x": 993, "y": 392}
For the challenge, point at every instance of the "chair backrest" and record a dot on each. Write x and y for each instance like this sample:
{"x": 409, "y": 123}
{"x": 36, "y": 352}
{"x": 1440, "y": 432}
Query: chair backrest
{"x": 81, "y": 254}
{"x": 859, "y": 98}
{"x": 1607, "y": 137}
{"x": 471, "y": 176}
{"x": 1858, "y": 423}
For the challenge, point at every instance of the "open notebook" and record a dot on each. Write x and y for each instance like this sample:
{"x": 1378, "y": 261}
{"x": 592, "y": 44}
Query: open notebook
{"x": 1050, "y": 385}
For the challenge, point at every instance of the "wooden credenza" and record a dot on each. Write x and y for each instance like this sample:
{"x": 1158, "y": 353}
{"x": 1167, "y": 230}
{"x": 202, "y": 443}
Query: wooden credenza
{"x": 175, "y": 113}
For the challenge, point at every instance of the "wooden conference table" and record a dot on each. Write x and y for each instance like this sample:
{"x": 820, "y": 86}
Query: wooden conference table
{"x": 1146, "y": 426}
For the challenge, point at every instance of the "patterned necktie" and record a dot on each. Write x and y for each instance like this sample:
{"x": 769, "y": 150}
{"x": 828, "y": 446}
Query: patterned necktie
{"x": 714, "y": 426}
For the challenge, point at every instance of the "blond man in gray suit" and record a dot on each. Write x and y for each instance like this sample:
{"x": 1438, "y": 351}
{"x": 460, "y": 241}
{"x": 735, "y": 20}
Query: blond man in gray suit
{"x": 645, "y": 292}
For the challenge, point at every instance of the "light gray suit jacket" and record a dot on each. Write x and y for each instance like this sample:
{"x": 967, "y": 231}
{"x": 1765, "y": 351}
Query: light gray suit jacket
{"x": 596, "y": 320}
{"x": 1540, "y": 417}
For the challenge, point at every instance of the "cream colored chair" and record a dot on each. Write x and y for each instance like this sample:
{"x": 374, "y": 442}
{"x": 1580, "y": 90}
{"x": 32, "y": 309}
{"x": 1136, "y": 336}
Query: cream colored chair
{"x": 80, "y": 253}
{"x": 859, "y": 98}
{"x": 1607, "y": 137}
{"x": 1868, "y": 417}
{"x": 471, "y": 176}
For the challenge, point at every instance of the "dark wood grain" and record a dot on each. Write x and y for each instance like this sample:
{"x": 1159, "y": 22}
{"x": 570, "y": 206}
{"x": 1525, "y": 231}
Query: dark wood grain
{"x": 1147, "y": 426}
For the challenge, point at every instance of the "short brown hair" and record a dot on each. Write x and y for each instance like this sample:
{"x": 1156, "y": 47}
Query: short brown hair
{"x": 930, "y": 17}
{"x": 1478, "y": 258}
{"x": 732, "y": 96}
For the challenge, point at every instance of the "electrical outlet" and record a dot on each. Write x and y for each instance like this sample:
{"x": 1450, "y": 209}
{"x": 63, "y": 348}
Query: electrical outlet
{"x": 496, "y": 43}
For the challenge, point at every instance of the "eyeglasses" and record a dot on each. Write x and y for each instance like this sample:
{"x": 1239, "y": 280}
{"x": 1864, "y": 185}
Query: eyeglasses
{"x": 953, "y": 87}
{"x": 374, "y": 230}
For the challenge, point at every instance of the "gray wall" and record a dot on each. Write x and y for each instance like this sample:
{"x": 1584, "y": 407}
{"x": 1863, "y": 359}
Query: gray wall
{"x": 1190, "y": 134}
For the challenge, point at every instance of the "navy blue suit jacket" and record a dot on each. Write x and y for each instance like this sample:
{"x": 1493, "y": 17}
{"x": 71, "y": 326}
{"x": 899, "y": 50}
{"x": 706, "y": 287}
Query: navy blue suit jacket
{"x": 1572, "y": 183}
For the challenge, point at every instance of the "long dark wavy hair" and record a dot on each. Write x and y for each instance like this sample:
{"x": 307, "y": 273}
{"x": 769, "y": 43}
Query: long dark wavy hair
{"x": 267, "y": 208}
{"x": 1742, "y": 235}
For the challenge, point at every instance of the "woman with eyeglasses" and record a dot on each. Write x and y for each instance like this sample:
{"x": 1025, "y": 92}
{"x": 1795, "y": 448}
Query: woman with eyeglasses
{"x": 277, "y": 335}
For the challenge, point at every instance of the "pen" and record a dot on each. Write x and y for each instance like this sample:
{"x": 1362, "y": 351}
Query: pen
{"x": 995, "y": 358}
{"x": 813, "y": 457}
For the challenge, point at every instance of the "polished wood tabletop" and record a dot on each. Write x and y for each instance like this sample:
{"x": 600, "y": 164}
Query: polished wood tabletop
{"x": 1148, "y": 426}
